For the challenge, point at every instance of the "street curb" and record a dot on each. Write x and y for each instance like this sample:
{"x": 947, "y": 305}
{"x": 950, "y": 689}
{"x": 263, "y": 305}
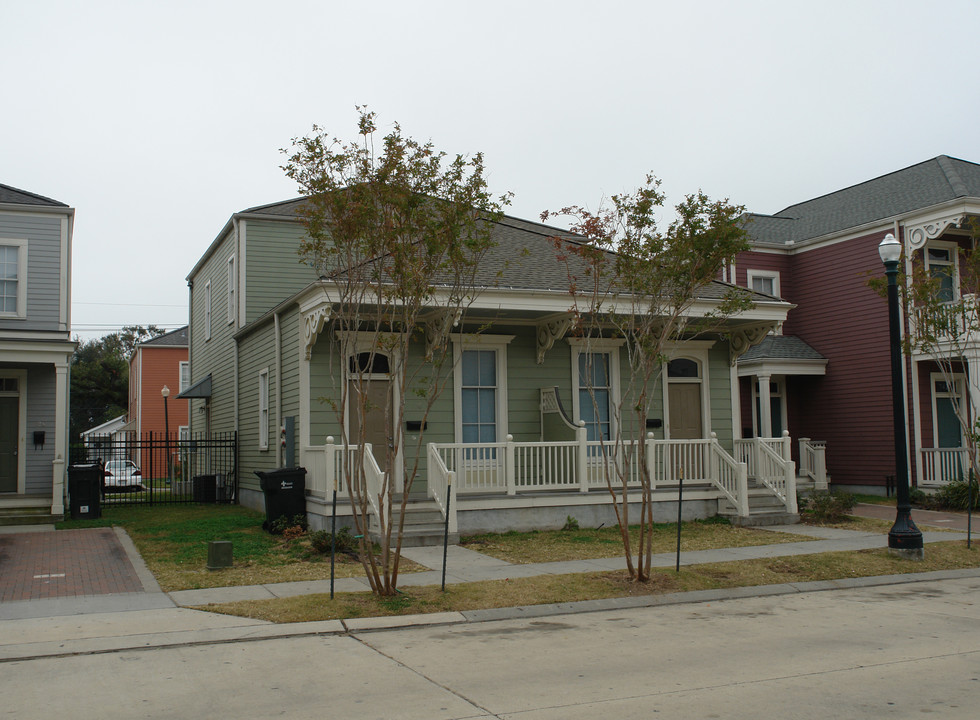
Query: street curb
{"x": 357, "y": 626}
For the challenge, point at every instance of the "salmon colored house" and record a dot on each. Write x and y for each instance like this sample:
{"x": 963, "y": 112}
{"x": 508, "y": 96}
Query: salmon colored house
{"x": 155, "y": 364}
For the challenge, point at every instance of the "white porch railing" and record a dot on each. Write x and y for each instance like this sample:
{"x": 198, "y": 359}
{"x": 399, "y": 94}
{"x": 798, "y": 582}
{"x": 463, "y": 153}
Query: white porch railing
{"x": 769, "y": 460}
{"x": 813, "y": 461}
{"x": 511, "y": 467}
{"x": 947, "y": 321}
{"x": 944, "y": 465}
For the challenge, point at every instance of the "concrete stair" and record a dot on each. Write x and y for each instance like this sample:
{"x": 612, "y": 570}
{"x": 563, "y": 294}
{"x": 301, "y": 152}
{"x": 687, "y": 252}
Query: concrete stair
{"x": 27, "y": 511}
{"x": 764, "y": 509}
{"x": 424, "y": 524}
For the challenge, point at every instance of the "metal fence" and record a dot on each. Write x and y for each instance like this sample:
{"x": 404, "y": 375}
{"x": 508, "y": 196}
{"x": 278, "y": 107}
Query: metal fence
{"x": 154, "y": 468}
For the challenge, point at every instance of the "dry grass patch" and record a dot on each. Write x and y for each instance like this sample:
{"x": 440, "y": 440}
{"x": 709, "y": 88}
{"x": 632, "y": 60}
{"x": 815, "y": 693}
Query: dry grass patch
{"x": 584, "y": 544}
{"x": 590, "y": 586}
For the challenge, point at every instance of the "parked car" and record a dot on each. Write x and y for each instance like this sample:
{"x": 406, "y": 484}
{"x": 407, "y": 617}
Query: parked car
{"x": 123, "y": 474}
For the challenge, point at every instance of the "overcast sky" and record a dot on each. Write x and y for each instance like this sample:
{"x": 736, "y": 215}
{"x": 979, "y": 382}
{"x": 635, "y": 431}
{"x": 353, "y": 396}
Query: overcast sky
{"x": 157, "y": 121}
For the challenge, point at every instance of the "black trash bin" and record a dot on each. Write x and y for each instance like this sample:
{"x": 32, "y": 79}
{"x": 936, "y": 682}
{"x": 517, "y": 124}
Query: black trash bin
{"x": 205, "y": 488}
{"x": 85, "y": 491}
{"x": 285, "y": 493}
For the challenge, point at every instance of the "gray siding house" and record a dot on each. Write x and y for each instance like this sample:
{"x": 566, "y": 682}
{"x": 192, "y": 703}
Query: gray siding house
{"x": 35, "y": 353}
{"x": 263, "y": 350}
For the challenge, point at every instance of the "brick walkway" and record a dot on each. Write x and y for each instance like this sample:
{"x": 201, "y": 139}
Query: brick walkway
{"x": 66, "y": 563}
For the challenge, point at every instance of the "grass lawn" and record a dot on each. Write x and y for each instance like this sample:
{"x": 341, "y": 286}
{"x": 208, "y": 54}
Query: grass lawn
{"x": 555, "y": 545}
{"x": 173, "y": 541}
{"x": 570, "y": 588}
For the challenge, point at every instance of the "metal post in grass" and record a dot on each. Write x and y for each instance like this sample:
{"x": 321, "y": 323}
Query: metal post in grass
{"x": 680, "y": 498}
{"x": 969, "y": 508}
{"x": 445, "y": 533}
{"x": 333, "y": 533}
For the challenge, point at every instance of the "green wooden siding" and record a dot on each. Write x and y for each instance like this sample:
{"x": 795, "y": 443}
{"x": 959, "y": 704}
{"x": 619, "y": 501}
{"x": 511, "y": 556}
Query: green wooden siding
{"x": 273, "y": 270}
{"x": 214, "y": 355}
{"x": 256, "y": 352}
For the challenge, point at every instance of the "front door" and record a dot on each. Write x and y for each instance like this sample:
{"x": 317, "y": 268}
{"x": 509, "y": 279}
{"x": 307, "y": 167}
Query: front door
{"x": 685, "y": 411}
{"x": 377, "y": 418}
{"x": 9, "y": 431}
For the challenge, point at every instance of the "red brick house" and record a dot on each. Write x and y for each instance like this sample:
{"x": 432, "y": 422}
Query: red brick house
{"x": 155, "y": 364}
{"x": 827, "y": 375}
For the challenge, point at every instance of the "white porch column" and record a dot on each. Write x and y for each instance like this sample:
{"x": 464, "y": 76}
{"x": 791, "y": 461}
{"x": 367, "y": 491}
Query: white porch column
{"x": 973, "y": 382}
{"x": 765, "y": 406}
{"x": 60, "y": 438}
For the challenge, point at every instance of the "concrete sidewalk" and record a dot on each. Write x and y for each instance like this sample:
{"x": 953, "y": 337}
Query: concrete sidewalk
{"x": 107, "y": 623}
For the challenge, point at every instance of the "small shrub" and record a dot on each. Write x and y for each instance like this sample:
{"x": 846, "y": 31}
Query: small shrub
{"x": 570, "y": 524}
{"x": 823, "y": 506}
{"x": 917, "y": 497}
{"x": 286, "y": 522}
{"x": 346, "y": 543}
{"x": 956, "y": 496}
{"x": 292, "y": 533}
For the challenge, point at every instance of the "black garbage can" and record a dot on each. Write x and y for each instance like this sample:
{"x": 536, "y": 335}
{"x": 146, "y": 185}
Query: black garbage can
{"x": 205, "y": 488}
{"x": 285, "y": 493}
{"x": 85, "y": 491}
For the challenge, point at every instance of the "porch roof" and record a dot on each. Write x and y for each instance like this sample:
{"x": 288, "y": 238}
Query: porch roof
{"x": 782, "y": 355}
{"x": 200, "y": 389}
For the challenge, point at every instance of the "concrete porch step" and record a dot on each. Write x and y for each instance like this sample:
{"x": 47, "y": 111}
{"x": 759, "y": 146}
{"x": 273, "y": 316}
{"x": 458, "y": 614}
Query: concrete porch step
{"x": 27, "y": 511}
{"x": 424, "y": 524}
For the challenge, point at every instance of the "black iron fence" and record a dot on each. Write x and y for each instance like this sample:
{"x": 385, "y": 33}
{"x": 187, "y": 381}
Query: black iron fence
{"x": 166, "y": 469}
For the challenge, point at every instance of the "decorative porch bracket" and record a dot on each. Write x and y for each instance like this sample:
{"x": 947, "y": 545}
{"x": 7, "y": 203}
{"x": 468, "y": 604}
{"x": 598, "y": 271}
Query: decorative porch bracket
{"x": 313, "y": 323}
{"x": 919, "y": 235}
{"x": 436, "y": 330}
{"x": 744, "y": 338}
{"x": 550, "y": 331}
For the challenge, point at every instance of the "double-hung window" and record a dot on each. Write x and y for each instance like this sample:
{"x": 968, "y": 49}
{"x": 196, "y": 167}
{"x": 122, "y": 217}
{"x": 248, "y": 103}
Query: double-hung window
{"x": 481, "y": 391}
{"x": 764, "y": 281}
{"x": 595, "y": 375}
{"x": 479, "y": 396}
{"x": 940, "y": 259}
{"x": 13, "y": 278}
{"x": 231, "y": 290}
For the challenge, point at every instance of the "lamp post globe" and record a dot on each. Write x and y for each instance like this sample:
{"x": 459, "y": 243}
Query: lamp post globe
{"x": 904, "y": 539}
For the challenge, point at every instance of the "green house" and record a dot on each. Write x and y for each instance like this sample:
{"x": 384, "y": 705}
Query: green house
{"x": 514, "y": 430}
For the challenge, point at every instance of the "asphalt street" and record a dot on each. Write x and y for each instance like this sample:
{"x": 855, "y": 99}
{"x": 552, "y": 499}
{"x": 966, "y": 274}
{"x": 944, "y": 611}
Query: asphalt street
{"x": 889, "y": 651}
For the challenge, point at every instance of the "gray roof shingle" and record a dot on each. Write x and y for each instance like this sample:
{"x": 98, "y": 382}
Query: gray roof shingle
{"x": 13, "y": 196}
{"x": 174, "y": 338}
{"x": 782, "y": 347}
{"x": 928, "y": 183}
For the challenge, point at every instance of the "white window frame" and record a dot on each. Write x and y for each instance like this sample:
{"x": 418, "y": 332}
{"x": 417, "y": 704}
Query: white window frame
{"x": 232, "y": 283}
{"x": 958, "y": 393}
{"x": 184, "y": 375}
{"x": 498, "y": 344}
{"x": 264, "y": 409}
{"x": 598, "y": 345}
{"x": 953, "y": 262}
{"x": 696, "y": 350}
{"x": 207, "y": 310}
{"x": 21, "y": 312}
{"x": 767, "y": 275}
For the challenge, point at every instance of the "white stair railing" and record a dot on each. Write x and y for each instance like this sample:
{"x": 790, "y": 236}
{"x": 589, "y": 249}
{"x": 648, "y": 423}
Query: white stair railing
{"x": 440, "y": 487}
{"x": 813, "y": 461}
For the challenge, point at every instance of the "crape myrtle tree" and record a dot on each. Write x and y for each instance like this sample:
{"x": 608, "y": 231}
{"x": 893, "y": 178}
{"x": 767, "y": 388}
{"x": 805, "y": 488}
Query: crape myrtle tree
{"x": 945, "y": 326}
{"x": 630, "y": 279}
{"x": 396, "y": 230}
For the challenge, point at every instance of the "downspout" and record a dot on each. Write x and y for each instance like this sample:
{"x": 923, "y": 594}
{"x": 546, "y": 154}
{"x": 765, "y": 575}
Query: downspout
{"x": 279, "y": 420}
{"x": 912, "y": 448}
{"x": 190, "y": 345}
{"x": 234, "y": 382}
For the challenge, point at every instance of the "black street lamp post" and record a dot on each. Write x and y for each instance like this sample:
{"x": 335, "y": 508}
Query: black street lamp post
{"x": 904, "y": 538}
{"x": 165, "y": 392}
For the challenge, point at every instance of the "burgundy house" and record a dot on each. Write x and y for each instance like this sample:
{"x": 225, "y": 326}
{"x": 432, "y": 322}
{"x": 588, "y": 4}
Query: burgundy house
{"x": 826, "y": 376}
